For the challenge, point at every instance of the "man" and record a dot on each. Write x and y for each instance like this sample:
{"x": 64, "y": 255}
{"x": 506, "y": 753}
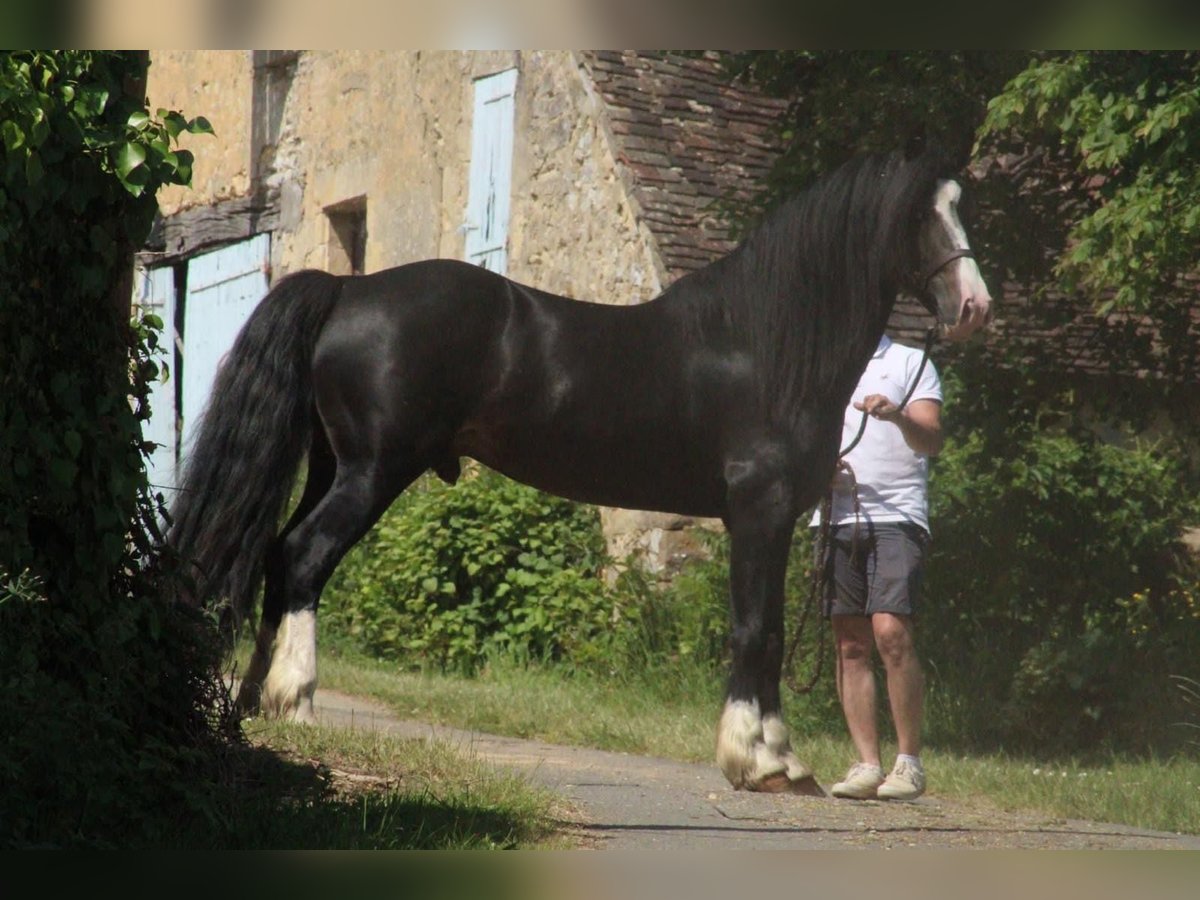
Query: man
{"x": 874, "y": 563}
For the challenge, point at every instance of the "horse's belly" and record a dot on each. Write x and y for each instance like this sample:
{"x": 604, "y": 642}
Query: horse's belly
{"x": 636, "y": 473}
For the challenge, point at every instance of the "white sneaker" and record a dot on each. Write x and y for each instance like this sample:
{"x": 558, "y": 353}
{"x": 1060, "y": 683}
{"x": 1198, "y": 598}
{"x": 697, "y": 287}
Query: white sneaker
{"x": 860, "y": 782}
{"x": 905, "y": 782}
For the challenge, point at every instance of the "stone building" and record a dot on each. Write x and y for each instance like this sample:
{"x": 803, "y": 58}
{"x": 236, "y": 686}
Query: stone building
{"x": 594, "y": 175}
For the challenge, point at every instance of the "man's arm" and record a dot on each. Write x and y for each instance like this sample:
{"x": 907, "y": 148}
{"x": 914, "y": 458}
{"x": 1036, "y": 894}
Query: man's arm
{"x": 920, "y": 422}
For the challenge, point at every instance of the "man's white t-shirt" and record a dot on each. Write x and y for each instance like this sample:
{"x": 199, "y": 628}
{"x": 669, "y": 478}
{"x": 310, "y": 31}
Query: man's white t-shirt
{"x": 891, "y": 476}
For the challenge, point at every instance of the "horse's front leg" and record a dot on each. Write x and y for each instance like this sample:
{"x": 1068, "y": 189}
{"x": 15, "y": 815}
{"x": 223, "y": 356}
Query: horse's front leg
{"x": 799, "y": 777}
{"x": 753, "y": 749}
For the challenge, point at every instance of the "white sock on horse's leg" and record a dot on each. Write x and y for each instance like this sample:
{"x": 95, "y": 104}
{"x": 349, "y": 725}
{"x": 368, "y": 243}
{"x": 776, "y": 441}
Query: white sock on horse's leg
{"x": 739, "y": 741}
{"x": 292, "y": 680}
{"x": 775, "y": 734}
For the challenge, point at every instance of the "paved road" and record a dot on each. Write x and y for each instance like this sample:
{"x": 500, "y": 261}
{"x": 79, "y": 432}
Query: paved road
{"x": 622, "y": 801}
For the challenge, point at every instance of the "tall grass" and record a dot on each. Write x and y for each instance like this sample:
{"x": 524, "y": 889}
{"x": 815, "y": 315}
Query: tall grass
{"x": 671, "y": 716}
{"x": 1162, "y": 794}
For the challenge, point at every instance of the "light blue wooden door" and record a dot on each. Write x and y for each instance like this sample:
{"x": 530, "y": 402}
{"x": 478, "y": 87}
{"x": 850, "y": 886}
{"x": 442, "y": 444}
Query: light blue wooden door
{"x": 223, "y": 288}
{"x": 155, "y": 292}
{"x": 491, "y": 171}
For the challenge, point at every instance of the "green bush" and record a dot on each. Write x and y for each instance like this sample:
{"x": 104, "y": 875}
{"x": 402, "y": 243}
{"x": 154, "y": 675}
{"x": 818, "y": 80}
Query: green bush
{"x": 451, "y": 575}
{"x": 1060, "y": 598}
{"x": 684, "y": 622}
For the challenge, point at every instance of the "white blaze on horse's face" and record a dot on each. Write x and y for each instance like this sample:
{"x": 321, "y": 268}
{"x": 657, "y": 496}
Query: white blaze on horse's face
{"x": 963, "y": 301}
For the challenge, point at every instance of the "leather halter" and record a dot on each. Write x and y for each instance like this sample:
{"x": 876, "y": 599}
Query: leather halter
{"x": 923, "y": 294}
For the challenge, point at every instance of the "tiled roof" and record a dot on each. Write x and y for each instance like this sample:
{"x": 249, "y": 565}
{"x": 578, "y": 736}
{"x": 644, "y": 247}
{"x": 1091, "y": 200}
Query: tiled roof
{"x": 690, "y": 140}
{"x": 1077, "y": 339}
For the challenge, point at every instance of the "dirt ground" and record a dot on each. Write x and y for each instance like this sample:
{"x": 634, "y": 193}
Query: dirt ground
{"x": 622, "y": 801}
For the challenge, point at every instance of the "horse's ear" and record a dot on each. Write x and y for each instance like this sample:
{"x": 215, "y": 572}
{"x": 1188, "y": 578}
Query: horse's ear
{"x": 915, "y": 145}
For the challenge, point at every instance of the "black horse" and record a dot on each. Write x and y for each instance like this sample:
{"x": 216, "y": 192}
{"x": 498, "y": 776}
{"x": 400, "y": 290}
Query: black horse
{"x": 723, "y": 397}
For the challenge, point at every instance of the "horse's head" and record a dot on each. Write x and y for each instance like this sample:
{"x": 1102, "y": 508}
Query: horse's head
{"x": 947, "y": 281}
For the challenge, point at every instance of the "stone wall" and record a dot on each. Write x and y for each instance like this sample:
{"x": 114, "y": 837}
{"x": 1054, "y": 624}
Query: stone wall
{"x": 395, "y": 128}
{"x": 217, "y": 85}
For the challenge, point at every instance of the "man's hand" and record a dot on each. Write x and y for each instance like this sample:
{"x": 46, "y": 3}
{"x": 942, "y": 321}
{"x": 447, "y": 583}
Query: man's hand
{"x": 879, "y": 407}
{"x": 920, "y": 422}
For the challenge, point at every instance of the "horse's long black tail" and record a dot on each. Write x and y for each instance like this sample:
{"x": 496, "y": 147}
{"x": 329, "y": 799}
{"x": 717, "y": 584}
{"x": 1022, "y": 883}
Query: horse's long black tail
{"x": 243, "y": 457}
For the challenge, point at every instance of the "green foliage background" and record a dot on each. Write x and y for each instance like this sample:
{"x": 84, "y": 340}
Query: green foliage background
{"x": 1128, "y": 121}
{"x": 1061, "y": 601}
{"x": 452, "y": 575}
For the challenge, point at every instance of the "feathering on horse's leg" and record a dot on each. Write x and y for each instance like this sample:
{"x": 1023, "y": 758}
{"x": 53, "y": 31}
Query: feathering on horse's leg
{"x": 287, "y": 691}
{"x": 800, "y": 778}
{"x": 321, "y": 469}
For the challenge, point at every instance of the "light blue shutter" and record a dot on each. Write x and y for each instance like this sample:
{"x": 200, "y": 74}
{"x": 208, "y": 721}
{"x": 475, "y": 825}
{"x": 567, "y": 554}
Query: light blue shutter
{"x": 491, "y": 171}
{"x": 155, "y": 292}
{"x": 223, "y": 288}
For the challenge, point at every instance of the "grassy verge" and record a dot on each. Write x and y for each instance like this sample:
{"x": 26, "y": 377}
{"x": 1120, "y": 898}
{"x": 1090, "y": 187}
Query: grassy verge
{"x": 298, "y": 787}
{"x": 371, "y": 791}
{"x": 673, "y": 715}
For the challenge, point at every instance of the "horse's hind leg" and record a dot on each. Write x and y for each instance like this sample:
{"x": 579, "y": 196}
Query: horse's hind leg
{"x": 321, "y": 469}
{"x": 308, "y": 555}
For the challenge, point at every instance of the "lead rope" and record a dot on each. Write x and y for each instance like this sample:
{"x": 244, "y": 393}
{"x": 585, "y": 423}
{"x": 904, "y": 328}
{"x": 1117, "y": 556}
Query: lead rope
{"x": 821, "y": 567}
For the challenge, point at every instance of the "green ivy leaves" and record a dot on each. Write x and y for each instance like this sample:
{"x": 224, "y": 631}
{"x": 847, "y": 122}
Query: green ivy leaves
{"x": 129, "y": 157}
{"x": 1131, "y": 122}
{"x": 81, "y": 158}
{"x": 61, "y": 95}
{"x": 148, "y": 155}
{"x": 103, "y": 680}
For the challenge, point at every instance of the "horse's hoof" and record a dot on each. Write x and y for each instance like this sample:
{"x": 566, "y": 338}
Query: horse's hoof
{"x": 779, "y": 783}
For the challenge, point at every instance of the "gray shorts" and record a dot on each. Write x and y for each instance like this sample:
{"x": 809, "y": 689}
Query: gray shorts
{"x": 880, "y": 572}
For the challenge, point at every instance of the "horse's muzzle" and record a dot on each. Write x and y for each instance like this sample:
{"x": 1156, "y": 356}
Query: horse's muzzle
{"x": 974, "y": 314}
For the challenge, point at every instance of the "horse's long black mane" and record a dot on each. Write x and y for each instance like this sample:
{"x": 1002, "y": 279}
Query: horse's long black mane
{"x": 819, "y": 269}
